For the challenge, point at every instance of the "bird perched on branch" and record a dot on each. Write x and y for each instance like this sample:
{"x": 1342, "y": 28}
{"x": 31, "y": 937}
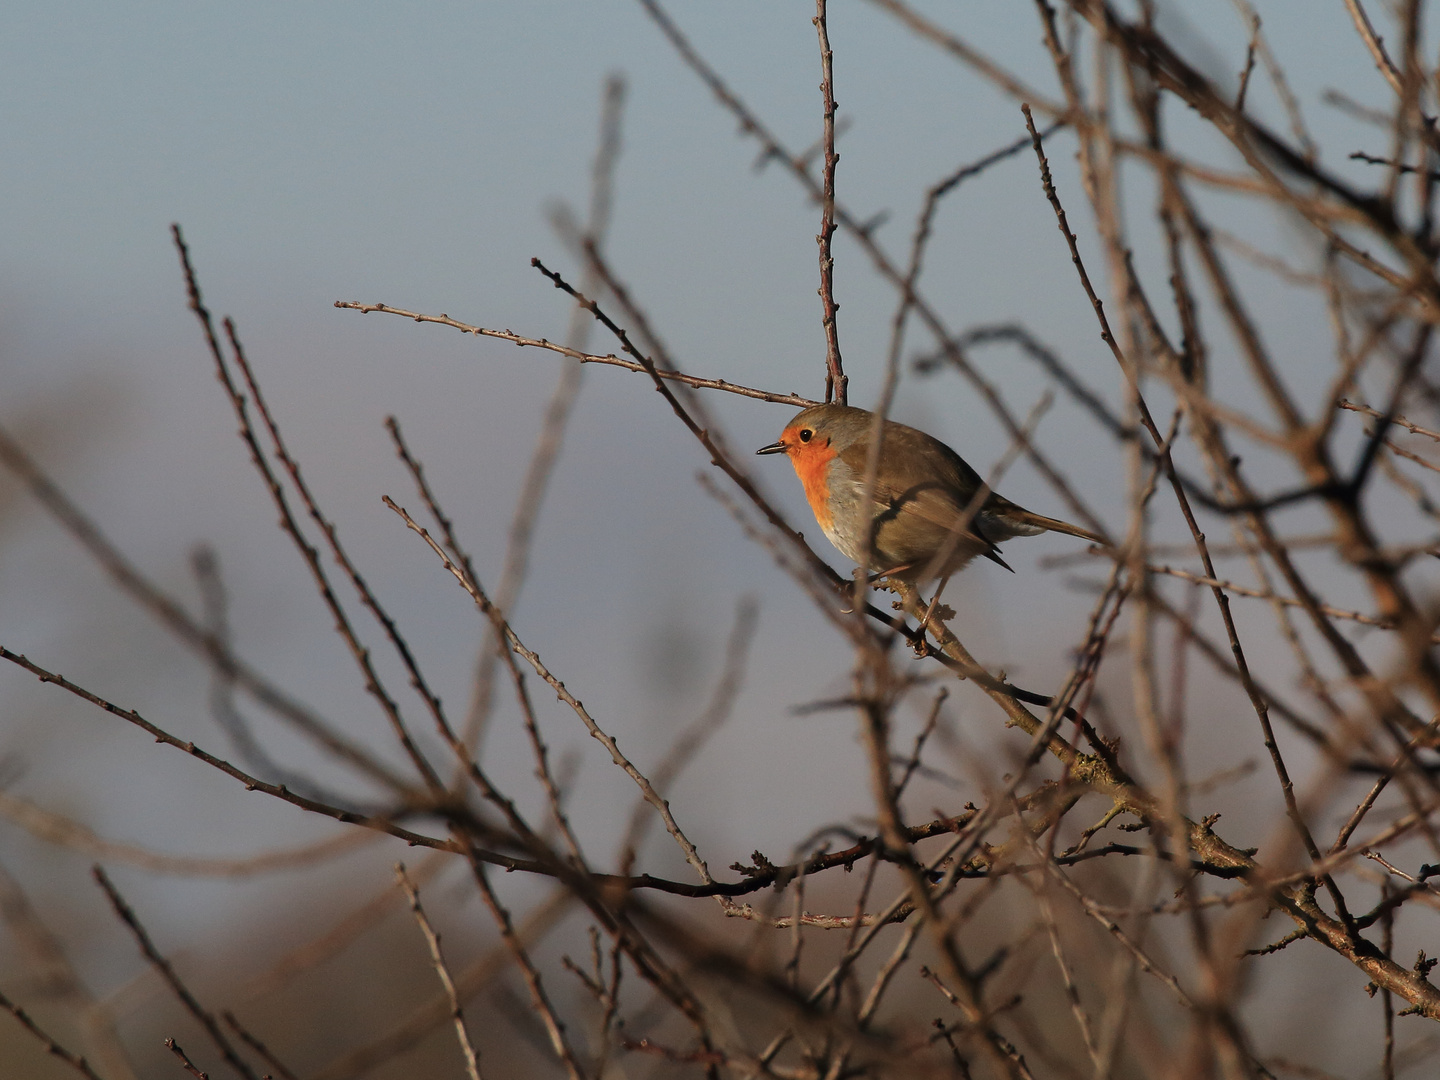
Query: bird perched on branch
{"x": 929, "y": 513}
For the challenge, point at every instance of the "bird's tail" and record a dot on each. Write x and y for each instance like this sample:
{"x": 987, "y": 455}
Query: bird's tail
{"x": 1041, "y": 523}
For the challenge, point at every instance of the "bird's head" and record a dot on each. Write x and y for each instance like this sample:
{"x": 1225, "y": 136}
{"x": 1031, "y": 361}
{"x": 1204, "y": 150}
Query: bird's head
{"x": 819, "y": 433}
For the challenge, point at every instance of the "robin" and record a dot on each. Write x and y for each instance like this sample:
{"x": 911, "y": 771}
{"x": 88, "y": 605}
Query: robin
{"x": 920, "y": 520}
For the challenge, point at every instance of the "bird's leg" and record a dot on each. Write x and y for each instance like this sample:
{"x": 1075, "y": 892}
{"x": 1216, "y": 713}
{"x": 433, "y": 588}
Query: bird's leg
{"x": 934, "y": 603}
{"x": 891, "y": 571}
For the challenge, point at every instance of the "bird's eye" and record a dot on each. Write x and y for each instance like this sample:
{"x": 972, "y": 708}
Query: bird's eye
{"x": 805, "y": 434}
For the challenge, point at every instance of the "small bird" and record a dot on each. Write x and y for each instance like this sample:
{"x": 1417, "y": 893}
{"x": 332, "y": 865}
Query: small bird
{"x": 917, "y": 516}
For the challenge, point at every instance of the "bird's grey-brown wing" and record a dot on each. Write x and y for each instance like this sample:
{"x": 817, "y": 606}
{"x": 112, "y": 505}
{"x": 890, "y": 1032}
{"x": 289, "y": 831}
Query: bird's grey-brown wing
{"x": 922, "y": 495}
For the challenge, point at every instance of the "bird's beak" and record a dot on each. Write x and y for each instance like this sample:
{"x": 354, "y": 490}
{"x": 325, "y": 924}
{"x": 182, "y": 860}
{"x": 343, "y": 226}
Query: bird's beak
{"x": 773, "y": 448}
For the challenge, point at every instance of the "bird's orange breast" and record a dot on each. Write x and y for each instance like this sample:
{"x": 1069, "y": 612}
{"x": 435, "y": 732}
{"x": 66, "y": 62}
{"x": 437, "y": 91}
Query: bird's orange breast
{"x": 812, "y": 466}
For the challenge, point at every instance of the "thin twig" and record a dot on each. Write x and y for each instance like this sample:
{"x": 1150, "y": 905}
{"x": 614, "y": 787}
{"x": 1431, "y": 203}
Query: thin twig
{"x": 259, "y": 1047}
{"x": 611, "y": 359}
{"x": 1264, "y": 594}
{"x": 835, "y": 379}
{"x": 185, "y": 1062}
{"x": 432, "y": 940}
{"x": 167, "y": 972}
{"x": 52, "y": 1048}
